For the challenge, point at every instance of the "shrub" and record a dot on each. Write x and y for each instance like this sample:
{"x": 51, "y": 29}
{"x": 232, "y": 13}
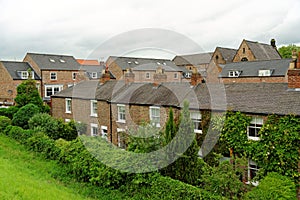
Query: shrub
{"x": 9, "y": 112}
{"x": 273, "y": 186}
{"x": 23, "y": 115}
{"x": 4, "y": 122}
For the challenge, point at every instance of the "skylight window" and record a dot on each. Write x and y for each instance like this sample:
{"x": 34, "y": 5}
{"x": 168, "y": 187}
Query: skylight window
{"x": 158, "y": 63}
{"x": 62, "y": 61}
{"x": 136, "y": 62}
{"x": 267, "y": 72}
{"x": 129, "y": 62}
{"x": 51, "y": 60}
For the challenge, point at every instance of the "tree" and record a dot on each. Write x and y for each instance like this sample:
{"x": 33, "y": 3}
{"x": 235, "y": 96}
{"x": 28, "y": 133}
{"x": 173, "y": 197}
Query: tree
{"x": 23, "y": 115}
{"x": 273, "y": 186}
{"x": 286, "y": 51}
{"x": 27, "y": 92}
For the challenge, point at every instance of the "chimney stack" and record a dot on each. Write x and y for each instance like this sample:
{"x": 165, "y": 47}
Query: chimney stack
{"x": 273, "y": 43}
{"x": 105, "y": 75}
{"x": 159, "y": 76}
{"x": 294, "y": 72}
{"x": 129, "y": 76}
{"x": 196, "y": 78}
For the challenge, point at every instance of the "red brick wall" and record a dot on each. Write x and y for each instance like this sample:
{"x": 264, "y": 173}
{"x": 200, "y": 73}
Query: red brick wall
{"x": 294, "y": 78}
{"x": 255, "y": 80}
{"x": 240, "y": 54}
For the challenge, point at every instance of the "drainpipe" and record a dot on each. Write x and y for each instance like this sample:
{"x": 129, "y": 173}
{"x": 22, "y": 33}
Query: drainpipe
{"x": 110, "y": 121}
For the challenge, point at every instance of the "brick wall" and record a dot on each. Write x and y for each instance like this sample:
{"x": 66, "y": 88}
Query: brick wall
{"x": 255, "y": 80}
{"x": 241, "y": 54}
{"x": 140, "y": 76}
{"x": 33, "y": 64}
{"x": 116, "y": 70}
{"x": 294, "y": 78}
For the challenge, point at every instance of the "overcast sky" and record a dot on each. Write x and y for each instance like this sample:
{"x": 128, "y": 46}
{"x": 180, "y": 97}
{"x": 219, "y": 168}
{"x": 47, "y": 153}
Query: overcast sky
{"x": 96, "y": 29}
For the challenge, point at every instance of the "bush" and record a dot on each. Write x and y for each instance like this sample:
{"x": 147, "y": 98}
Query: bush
{"x": 23, "y": 115}
{"x": 18, "y": 133}
{"x": 273, "y": 186}
{"x": 4, "y": 122}
{"x": 9, "y": 112}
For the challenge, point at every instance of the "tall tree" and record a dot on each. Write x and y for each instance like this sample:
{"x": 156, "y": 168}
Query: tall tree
{"x": 286, "y": 51}
{"x": 27, "y": 92}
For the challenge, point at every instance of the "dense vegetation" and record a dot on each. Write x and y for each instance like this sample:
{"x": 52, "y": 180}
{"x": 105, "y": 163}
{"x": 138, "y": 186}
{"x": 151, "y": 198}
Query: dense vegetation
{"x": 84, "y": 159}
{"x": 287, "y": 51}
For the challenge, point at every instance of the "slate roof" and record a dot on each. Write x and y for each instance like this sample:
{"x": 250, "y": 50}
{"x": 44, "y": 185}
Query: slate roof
{"x": 227, "y": 53}
{"x": 14, "y": 69}
{"x": 106, "y": 91}
{"x": 251, "y": 68}
{"x": 194, "y": 59}
{"x": 154, "y": 66}
{"x": 82, "y": 90}
{"x": 89, "y": 69}
{"x": 54, "y": 62}
{"x": 132, "y": 62}
{"x": 263, "y": 51}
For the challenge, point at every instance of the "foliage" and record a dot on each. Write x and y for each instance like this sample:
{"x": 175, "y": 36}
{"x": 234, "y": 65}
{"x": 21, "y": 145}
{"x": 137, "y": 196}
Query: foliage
{"x": 278, "y": 148}
{"x": 54, "y": 128}
{"x": 286, "y": 51}
{"x": 273, "y": 186}
{"x": 27, "y": 92}
{"x": 234, "y": 133}
{"x": 4, "y": 122}
{"x": 223, "y": 181}
{"x": 18, "y": 133}
{"x": 145, "y": 139}
{"x": 9, "y": 112}
{"x": 23, "y": 115}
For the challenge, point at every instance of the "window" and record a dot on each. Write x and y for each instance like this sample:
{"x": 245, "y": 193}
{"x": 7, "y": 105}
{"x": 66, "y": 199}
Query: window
{"x": 155, "y": 116}
{"x": 244, "y": 59}
{"x": 67, "y": 120}
{"x": 121, "y": 113}
{"x": 234, "y": 73}
{"x": 94, "y": 74}
{"x": 94, "y": 129}
{"x": 147, "y": 75}
{"x": 196, "y": 118}
{"x": 74, "y": 75}
{"x": 62, "y": 61}
{"x": 175, "y": 76}
{"x": 68, "y": 105}
{"x": 32, "y": 75}
{"x": 264, "y": 72}
{"x": 51, "y": 60}
{"x": 254, "y": 127}
{"x": 104, "y": 132}
{"x": 121, "y": 138}
{"x": 24, "y": 75}
{"x": 52, "y": 89}
{"x": 53, "y": 76}
{"x": 188, "y": 75}
{"x": 244, "y": 50}
{"x": 94, "y": 108}
{"x": 252, "y": 171}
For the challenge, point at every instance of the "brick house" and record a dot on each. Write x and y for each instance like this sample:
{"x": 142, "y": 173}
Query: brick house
{"x": 56, "y": 71}
{"x": 143, "y": 67}
{"x": 12, "y": 74}
{"x": 78, "y": 103}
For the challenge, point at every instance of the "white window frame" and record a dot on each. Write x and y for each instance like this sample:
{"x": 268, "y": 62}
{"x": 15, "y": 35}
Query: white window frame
{"x": 104, "y": 132}
{"x": 60, "y": 87}
{"x": 256, "y": 124}
{"x": 24, "y": 75}
{"x": 67, "y": 120}
{"x": 93, "y": 127}
{"x": 196, "y": 117}
{"x": 121, "y": 113}
{"x": 154, "y": 119}
{"x": 94, "y": 109}
{"x": 252, "y": 168}
{"x": 68, "y": 103}
{"x": 74, "y": 75}
{"x": 147, "y": 75}
{"x": 94, "y": 75}
{"x": 264, "y": 72}
{"x": 53, "y": 75}
{"x": 234, "y": 73}
{"x": 32, "y": 75}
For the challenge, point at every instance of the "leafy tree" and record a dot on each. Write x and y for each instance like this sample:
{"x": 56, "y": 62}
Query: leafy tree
{"x": 23, "y": 115}
{"x": 278, "y": 148}
{"x": 223, "y": 180}
{"x": 273, "y": 186}
{"x": 27, "y": 92}
{"x": 286, "y": 51}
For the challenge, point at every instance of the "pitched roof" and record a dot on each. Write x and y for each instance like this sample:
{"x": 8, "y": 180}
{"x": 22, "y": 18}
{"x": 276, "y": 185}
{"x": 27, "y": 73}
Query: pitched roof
{"x": 251, "y": 68}
{"x": 132, "y": 62}
{"x": 263, "y": 51}
{"x": 54, "y": 62}
{"x": 154, "y": 66}
{"x": 15, "y": 68}
{"x": 90, "y": 69}
{"x": 227, "y": 53}
{"x": 106, "y": 91}
{"x": 82, "y": 90}
{"x": 194, "y": 59}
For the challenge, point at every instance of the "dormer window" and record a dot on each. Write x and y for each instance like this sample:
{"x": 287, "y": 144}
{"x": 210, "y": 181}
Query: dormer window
{"x": 24, "y": 75}
{"x": 267, "y": 72}
{"x": 94, "y": 75}
{"x": 234, "y": 73}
